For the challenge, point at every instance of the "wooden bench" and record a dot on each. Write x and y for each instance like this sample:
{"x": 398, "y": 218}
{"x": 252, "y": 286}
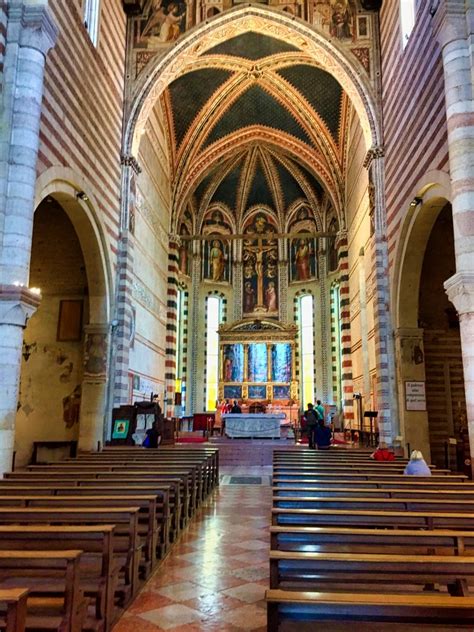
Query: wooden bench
{"x": 463, "y": 492}
{"x": 375, "y": 482}
{"x": 55, "y": 600}
{"x": 439, "y": 503}
{"x": 85, "y": 479}
{"x": 126, "y": 539}
{"x": 99, "y": 571}
{"x": 369, "y": 571}
{"x": 147, "y": 524}
{"x": 364, "y": 473}
{"x": 290, "y": 611}
{"x": 13, "y": 609}
{"x": 360, "y": 540}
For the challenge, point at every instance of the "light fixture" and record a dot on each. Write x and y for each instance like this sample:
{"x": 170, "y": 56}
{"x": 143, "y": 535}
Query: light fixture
{"x": 416, "y": 200}
{"x": 82, "y": 196}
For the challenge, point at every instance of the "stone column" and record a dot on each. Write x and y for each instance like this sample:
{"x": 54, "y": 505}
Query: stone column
{"x": 94, "y": 386}
{"x": 170, "y": 362}
{"x": 454, "y": 28}
{"x": 194, "y": 331}
{"x": 411, "y": 368}
{"x": 346, "y": 343}
{"x": 237, "y": 285}
{"x": 283, "y": 290}
{"x": 384, "y": 347}
{"x": 31, "y": 32}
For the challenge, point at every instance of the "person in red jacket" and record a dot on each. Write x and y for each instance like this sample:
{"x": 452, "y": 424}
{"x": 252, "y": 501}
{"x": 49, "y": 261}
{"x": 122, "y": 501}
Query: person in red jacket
{"x": 382, "y": 453}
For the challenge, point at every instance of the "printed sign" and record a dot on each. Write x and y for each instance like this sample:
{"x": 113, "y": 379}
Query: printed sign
{"x": 415, "y": 396}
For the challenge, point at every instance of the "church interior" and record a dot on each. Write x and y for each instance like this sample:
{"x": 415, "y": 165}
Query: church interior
{"x": 214, "y": 215}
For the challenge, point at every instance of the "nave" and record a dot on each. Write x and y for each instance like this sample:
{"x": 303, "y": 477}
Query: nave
{"x": 215, "y": 577}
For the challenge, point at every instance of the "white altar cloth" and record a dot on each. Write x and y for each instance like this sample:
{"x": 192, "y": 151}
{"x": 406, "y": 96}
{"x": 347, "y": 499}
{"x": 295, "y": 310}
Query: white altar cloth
{"x": 258, "y": 425}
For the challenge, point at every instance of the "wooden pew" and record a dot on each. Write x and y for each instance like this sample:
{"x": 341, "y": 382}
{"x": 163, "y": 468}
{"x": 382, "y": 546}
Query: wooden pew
{"x": 55, "y": 600}
{"x": 381, "y": 482}
{"x": 147, "y": 523}
{"x": 188, "y": 474}
{"x": 289, "y": 471}
{"x": 462, "y": 492}
{"x": 308, "y": 611}
{"x": 99, "y": 571}
{"x": 360, "y": 540}
{"x": 438, "y": 503}
{"x": 126, "y": 539}
{"x": 13, "y": 609}
{"x": 369, "y": 571}
{"x": 180, "y": 484}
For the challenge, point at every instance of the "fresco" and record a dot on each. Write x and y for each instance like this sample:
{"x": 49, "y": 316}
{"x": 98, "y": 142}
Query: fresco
{"x": 281, "y": 392}
{"x": 216, "y": 260}
{"x": 303, "y": 259}
{"x": 161, "y": 23}
{"x": 232, "y": 392}
{"x": 281, "y": 362}
{"x": 260, "y": 282}
{"x": 258, "y": 362}
{"x": 233, "y": 368}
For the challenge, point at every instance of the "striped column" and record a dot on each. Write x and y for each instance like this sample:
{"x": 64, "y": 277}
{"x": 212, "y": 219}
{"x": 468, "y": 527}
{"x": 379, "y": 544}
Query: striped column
{"x": 384, "y": 344}
{"x": 345, "y": 320}
{"x": 30, "y": 34}
{"x": 171, "y": 306}
{"x": 454, "y": 28}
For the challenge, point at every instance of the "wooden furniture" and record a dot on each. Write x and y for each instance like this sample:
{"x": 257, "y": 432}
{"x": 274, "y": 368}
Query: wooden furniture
{"x": 13, "y": 609}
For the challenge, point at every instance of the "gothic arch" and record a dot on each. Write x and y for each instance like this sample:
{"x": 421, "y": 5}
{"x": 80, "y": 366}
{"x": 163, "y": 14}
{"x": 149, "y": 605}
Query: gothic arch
{"x": 162, "y": 70}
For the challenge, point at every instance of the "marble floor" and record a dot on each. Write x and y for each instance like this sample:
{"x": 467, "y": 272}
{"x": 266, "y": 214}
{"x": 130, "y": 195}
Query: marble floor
{"x": 215, "y": 577}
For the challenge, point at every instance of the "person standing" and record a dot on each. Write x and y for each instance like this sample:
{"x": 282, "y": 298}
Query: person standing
{"x": 236, "y": 410}
{"x": 311, "y": 423}
{"x": 322, "y": 436}
{"x": 320, "y": 410}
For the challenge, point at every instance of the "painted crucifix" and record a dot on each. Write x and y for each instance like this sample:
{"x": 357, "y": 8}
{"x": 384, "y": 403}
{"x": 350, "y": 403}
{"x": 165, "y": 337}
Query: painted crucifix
{"x": 260, "y": 270}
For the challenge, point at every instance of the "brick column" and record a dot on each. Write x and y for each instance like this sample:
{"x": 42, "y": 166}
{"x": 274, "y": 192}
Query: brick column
{"x": 454, "y": 27}
{"x": 30, "y": 34}
{"x": 346, "y": 344}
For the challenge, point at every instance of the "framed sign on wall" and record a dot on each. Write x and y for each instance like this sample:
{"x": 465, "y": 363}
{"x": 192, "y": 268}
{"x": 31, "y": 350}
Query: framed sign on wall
{"x": 415, "y": 396}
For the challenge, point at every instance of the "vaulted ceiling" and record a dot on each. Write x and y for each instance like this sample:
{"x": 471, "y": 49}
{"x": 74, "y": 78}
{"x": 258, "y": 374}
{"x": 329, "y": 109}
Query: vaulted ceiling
{"x": 256, "y": 122}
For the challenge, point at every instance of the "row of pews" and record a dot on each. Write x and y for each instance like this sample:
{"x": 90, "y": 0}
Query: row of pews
{"x": 79, "y": 537}
{"x": 354, "y": 540}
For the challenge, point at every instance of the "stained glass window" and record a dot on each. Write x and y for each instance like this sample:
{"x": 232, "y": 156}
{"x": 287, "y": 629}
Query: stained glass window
{"x": 307, "y": 347}
{"x": 213, "y": 309}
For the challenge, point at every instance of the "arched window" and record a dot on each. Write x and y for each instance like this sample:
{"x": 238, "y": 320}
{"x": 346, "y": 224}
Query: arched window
{"x": 407, "y": 19}
{"x": 213, "y": 317}
{"x": 306, "y": 309}
{"x": 91, "y": 19}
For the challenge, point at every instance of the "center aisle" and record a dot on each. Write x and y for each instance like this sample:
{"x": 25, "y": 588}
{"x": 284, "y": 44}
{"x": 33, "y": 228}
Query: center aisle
{"x": 215, "y": 577}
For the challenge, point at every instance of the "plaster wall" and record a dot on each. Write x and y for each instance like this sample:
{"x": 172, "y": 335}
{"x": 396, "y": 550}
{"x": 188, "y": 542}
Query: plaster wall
{"x": 53, "y": 372}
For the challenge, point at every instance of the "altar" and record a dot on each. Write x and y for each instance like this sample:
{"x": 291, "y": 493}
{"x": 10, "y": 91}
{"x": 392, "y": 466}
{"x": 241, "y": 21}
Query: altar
{"x": 259, "y": 425}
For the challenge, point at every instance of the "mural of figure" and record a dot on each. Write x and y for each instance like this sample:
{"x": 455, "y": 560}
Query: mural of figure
{"x": 341, "y": 21}
{"x": 170, "y": 29}
{"x": 228, "y": 367}
{"x": 302, "y": 255}
{"x": 271, "y": 297}
{"x": 156, "y": 19}
{"x": 95, "y": 357}
{"x": 249, "y": 297}
{"x": 217, "y": 260}
{"x": 183, "y": 258}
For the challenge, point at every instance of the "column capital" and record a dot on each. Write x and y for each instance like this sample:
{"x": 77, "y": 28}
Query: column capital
{"x": 17, "y": 304}
{"x": 449, "y": 21}
{"x": 33, "y": 25}
{"x": 460, "y": 291}
{"x": 374, "y": 153}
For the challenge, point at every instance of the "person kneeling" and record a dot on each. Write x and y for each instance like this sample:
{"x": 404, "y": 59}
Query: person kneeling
{"x": 382, "y": 453}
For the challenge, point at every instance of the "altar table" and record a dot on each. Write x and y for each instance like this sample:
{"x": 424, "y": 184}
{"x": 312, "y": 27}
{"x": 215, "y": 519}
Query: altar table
{"x": 258, "y": 425}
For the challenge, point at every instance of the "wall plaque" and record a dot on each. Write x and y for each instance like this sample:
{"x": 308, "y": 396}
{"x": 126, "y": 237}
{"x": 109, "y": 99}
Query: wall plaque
{"x": 415, "y": 396}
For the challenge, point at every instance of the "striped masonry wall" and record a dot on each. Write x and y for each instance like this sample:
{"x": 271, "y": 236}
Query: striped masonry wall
{"x": 3, "y": 34}
{"x": 124, "y": 315}
{"x": 335, "y": 343}
{"x": 415, "y": 135}
{"x": 81, "y": 123}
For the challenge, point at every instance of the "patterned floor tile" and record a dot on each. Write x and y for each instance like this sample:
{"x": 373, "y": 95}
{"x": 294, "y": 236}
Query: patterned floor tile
{"x": 250, "y": 593}
{"x": 172, "y": 616}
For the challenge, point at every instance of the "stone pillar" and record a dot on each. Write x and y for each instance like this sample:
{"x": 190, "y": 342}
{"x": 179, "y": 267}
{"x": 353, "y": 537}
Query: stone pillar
{"x": 195, "y": 332}
{"x": 170, "y": 362}
{"x": 237, "y": 285}
{"x": 454, "y": 28}
{"x": 31, "y": 32}
{"x": 283, "y": 290}
{"x": 346, "y": 344}
{"x": 411, "y": 368}
{"x": 94, "y": 386}
{"x": 325, "y": 316}
{"x": 384, "y": 347}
